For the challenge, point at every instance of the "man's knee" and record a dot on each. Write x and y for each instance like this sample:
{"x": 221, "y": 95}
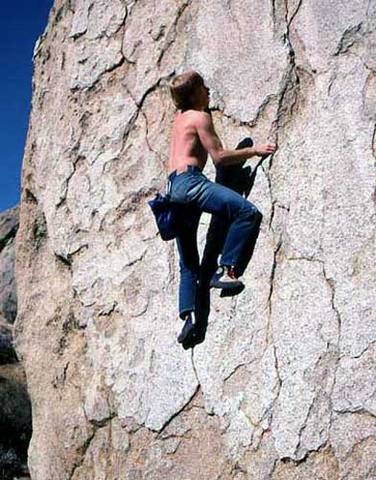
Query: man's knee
{"x": 251, "y": 212}
{"x": 258, "y": 216}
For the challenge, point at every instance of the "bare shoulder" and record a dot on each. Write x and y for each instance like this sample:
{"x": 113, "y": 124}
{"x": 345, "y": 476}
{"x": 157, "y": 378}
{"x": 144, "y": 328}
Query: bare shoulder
{"x": 200, "y": 119}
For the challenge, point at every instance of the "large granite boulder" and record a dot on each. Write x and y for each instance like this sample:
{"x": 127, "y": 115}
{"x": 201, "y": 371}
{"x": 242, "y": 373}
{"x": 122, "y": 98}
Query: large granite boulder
{"x": 283, "y": 386}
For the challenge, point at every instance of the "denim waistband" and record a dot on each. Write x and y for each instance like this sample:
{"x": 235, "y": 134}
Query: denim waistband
{"x": 190, "y": 168}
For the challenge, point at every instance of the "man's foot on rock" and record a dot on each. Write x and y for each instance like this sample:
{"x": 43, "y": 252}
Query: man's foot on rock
{"x": 188, "y": 331}
{"x": 190, "y": 342}
{"x": 195, "y": 339}
{"x": 225, "y": 278}
{"x": 231, "y": 292}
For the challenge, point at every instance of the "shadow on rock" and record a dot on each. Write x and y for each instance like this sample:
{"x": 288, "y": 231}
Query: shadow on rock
{"x": 15, "y": 422}
{"x": 240, "y": 179}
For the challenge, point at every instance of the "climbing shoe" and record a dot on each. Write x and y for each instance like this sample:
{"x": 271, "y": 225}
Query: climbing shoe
{"x": 197, "y": 337}
{"x": 225, "y": 278}
{"x": 191, "y": 342}
{"x": 231, "y": 292}
{"x": 186, "y": 336}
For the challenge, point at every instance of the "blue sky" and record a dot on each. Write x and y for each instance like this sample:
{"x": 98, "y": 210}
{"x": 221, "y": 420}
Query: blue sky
{"x": 21, "y": 22}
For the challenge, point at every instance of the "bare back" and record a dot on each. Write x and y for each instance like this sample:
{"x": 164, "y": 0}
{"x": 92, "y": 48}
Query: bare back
{"x": 185, "y": 146}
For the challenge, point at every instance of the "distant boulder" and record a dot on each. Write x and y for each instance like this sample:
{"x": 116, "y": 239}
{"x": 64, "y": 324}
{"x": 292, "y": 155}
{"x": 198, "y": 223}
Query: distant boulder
{"x": 8, "y": 296}
{"x": 7, "y": 352}
{"x": 15, "y": 421}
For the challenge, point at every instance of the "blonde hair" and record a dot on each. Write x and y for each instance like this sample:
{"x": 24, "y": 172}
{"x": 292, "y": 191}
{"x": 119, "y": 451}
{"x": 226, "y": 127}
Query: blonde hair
{"x": 183, "y": 88}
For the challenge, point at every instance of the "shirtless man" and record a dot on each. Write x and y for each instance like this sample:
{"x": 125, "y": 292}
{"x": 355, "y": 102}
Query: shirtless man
{"x": 193, "y": 138}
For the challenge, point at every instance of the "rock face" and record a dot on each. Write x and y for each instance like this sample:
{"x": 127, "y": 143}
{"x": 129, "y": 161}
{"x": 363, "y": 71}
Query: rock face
{"x": 283, "y": 386}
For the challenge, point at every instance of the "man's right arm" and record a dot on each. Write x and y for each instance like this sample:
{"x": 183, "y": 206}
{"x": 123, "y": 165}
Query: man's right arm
{"x": 213, "y": 145}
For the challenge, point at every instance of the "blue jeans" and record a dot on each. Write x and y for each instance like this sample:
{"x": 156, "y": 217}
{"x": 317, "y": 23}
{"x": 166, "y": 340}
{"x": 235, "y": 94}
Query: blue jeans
{"x": 196, "y": 194}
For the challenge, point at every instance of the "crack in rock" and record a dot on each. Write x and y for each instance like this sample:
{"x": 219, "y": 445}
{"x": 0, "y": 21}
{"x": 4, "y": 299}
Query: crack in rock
{"x": 177, "y": 413}
{"x": 330, "y": 282}
{"x": 272, "y": 276}
{"x": 349, "y": 37}
{"x": 172, "y": 32}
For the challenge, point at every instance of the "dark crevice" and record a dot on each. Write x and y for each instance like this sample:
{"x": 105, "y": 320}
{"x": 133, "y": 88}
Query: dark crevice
{"x": 289, "y": 92}
{"x": 294, "y": 14}
{"x": 305, "y": 457}
{"x": 349, "y": 37}
{"x": 273, "y": 11}
{"x": 236, "y": 121}
{"x": 96, "y": 425}
{"x": 171, "y": 34}
{"x": 153, "y": 87}
{"x": 301, "y": 430}
{"x": 247, "y": 123}
{"x": 360, "y": 354}
{"x": 115, "y": 66}
{"x": 194, "y": 368}
{"x": 356, "y": 410}
{"x": 272, "y": 276}
{"x": 103, "y": 422}
{"x": 39, "y": 230}
{"x": 147, "y": 136}
{"x": 65, "y": 260}
{"x": 235, "y": 370}
{"x": 176, "y": 414}
{"x": 30, "y": 197}
{"x": 82, "y": 451}
{"x": 269, "y": 410}
{"x": 107, "y": 312}
{"x": 139, "y": 105}
{"x": 262, "y": 108}
{"x": 93, "y": 86}
{"x": 9, "y": 236}
{"x": 74, "y": 164}
{"x": 330, "y": 282}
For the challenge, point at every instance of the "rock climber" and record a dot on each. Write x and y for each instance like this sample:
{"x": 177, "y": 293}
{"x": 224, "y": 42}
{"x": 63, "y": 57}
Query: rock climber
{"x": 193, "y": 137}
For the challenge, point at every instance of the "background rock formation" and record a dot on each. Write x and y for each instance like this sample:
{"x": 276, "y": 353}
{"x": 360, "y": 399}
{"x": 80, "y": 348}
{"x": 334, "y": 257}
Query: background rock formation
{"x": 8, "y": 296}
{"x": 15, "y": 414}
{"x": 283, "y": 386}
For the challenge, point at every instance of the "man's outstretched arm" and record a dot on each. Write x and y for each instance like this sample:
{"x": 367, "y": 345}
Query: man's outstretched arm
{"x": 213, "y": 145}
